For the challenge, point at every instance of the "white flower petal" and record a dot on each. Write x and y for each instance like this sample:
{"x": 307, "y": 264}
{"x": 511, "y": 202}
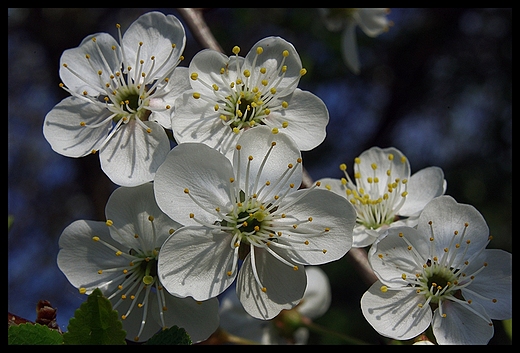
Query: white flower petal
{"x": 461, "y": 326}
{"x": 328, "y": 236}
{"x": 167, "y": 95}
{"x": 129, "y": 209}
{"x": 285, "y": 286}
{"x": 196, "y": 121}
{"x": 307, "y": 117}
{"x": 317, "y": 298}
{"x": 363, "y": 237}
{"x": 132, "y": 323}
{"x": 349, "y": 48}
{"x": 257, "y": 142}
{"x": 131, "y": 157}
{"x": 390, "y": 256}
{"x": 423, "y": 186}
{"x": 81, "y": 74}
{"x": 199, "y": 318}
{"x": 448, "y": 216}
{"x": 194, "y": 262}
{"x": 396, "y": 313}
{"x": 80, "y": 258}
{"x": 64, "y": 133}
{"x": 493, "y": 283}
{"x": 207, "y": 64}
{"x": 235, "y": 320}
{"x": 272, "y": 58}
{"x": 399, "y": 165}
{"x": 372, "y": 21}
{"x": 157, "y": 33}
{"x": 204, "y": 172}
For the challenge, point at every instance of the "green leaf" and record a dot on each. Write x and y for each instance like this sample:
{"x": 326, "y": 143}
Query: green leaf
{"x": 29, "y": 333}
{"x": 95, "y": 322}
{"x": 508, "y": 328}
{"x": 171, "y": 336}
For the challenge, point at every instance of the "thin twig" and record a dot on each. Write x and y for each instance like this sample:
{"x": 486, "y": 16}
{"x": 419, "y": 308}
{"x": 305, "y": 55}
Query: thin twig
{"x": 195, "y": 21}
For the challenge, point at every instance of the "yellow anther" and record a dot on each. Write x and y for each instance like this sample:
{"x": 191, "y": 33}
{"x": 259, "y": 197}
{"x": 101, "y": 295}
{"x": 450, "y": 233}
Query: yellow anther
{"x": 109, "y": 223}
{"x": 196, "y": 95}
{"x": 83, "y": 290}
{"x": 384, "y": 289}
{"x": 215, "y": 87}
{"x": 274, "y": 130}
{"x": 119, "y": 253}
{"x": 247, "y": 73}
{"x": 285, "y": 104}
{"x": 285, "y": 53}
{"x": 303, "y": 72}
{"x": 236, "y": 130}
{"x": 264, "y": 289}
{"x": 236, "y": 50}
{"x": 186, "y": 191}
{"x": 194, "y": 76}
{"x": 259, "y": 50}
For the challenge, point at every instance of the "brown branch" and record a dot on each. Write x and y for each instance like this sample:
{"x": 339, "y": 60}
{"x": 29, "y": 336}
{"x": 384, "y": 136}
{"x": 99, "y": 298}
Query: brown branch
{"x": 359, "y": 259}
{"x": 199, "y": 28}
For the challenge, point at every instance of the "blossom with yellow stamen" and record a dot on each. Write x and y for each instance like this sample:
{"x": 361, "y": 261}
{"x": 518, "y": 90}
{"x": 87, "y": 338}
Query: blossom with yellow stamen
{"x": 248, "y": 221}
{"x": 119, "y": 257}
{"x": 232, "y": 94}
{"x": 122, "y": 96}
{"x": 440, "y": 274}
{"x": 384, "y": 192}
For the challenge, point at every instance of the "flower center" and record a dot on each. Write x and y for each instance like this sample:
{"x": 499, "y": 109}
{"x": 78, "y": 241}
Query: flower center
{"x": 124, "y": 90}
{"x": 249, "y": 93}
{"x": 136, "y": 278}
{"x": 443, "y": 276}
{"x": 376, "y": 201}
{"x": 257, "y": 218}
{"x": 249, "y": 223}
{"x": 132, "y": 103}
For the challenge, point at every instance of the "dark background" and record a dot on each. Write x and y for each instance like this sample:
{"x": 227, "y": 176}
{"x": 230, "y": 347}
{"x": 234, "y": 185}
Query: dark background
{"x": 437, "y": 86}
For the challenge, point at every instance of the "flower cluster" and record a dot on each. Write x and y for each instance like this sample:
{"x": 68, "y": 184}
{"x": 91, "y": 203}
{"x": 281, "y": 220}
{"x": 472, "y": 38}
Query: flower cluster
{"x": 224, "y": 214}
